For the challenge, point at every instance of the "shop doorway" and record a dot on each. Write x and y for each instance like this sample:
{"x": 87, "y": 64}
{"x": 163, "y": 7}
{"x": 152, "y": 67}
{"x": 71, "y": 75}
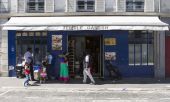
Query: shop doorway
{"x": 77, "y": 46}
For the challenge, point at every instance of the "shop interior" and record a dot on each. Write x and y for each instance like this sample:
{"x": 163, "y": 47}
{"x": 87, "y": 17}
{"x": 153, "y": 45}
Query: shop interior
{"x": 37, "y": 41}
{"x": 77, "y": 46}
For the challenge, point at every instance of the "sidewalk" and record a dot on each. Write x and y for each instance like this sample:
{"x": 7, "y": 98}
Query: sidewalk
{"x": 128, "y": 84}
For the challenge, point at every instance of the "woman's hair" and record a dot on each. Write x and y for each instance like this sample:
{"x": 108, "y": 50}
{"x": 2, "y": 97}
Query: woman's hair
{"x": 44, "y": 63}
{"x": 29, "y": 49}
{"x": 64, "y": 53}
{"x": 37, "y": 50}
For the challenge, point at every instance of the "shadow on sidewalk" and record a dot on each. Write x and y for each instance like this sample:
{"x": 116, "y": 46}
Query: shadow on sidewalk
{"x": 100, "y": 81}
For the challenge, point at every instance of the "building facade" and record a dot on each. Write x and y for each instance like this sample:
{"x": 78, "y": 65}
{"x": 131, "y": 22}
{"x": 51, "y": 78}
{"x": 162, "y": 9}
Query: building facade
{"x": 128, "y": 33}
{"x": 164, "y": 10}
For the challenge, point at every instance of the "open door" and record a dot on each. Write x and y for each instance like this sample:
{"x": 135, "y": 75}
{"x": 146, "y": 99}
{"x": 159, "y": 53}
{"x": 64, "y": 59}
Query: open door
{"x": 77, "y": 46}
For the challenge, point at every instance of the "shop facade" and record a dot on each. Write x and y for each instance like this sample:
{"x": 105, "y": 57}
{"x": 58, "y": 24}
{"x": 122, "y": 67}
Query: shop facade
{"x": 167, "y": 48}
{"x": 129, "y": 43}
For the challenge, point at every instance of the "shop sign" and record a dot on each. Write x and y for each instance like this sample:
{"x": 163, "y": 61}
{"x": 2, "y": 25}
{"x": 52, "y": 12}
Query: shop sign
{"x": 85, "y": 27}
{"x": 110, "y": 41}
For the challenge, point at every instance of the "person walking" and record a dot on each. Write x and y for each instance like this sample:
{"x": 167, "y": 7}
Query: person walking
{"x": 49, "y": 59}
{"x": 37, "y": 57}
{"x": 29, "y": 60}
{"x": 27, "y": 74}
{"x": 86, "y": 72}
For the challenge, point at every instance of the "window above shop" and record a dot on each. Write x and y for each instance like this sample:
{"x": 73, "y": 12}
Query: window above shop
{"x": 135, "y": 5}
{"x": 85, "y": 5}
{"x": 35, "y": 6}
{"x": 4, "y": 7}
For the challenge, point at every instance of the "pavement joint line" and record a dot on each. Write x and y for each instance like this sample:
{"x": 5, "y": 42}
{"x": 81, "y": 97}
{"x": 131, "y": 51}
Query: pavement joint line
{"x": 85, "y": 98}
{"x": 33, "y": 97}
{"x": 59, "y": 98}
{"x": 164, "y": 98}
{"x": 85, "y": 89}
{"x": 5, "y": 92}
{"x": 113, "y": 98}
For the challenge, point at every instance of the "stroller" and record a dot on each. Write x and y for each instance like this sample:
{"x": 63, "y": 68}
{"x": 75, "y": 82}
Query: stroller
{"x": 19, "y": 71}
{"x": 113, "y": 71}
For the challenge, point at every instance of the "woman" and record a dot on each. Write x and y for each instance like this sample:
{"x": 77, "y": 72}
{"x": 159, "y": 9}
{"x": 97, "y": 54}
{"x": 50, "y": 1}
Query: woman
{"x": 64, "y": 76}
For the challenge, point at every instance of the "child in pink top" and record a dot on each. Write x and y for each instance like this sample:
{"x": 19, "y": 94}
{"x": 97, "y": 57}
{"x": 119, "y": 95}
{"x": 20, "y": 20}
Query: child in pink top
{"x": 43, "y": 73}
{"x": 27, "y": 74}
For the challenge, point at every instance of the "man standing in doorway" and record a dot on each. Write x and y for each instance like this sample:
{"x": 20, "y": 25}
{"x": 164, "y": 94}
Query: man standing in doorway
{"x": 49, "y": 59}
{"x": 86, "y": 71}
{"x": 29, "y": 60}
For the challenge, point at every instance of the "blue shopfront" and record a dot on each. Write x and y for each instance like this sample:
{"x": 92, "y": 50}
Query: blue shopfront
{"x": 131, "y": 51}
{"x": 128, "y": 42}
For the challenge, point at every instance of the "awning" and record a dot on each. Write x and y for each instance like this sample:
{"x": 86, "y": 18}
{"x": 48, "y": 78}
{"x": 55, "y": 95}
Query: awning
{"x": 86, "y": 23}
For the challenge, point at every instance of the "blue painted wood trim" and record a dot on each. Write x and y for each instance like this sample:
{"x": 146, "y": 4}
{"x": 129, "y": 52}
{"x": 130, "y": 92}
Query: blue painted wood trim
{"x": 11, "y": 53}
{"x": 122, "y": 60}
{"x": 56, "y": 62}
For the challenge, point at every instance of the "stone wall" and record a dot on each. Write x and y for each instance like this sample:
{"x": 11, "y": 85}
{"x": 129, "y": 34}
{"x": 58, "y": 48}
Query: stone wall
{"x": 3, "y": 50}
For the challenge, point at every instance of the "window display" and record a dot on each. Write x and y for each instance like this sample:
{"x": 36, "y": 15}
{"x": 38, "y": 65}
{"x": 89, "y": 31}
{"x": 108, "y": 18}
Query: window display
{"x": 110, "y": 55}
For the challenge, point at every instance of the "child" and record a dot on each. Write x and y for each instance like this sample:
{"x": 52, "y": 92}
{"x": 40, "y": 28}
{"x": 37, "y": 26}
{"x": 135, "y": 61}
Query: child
{"x": 43, "y": 74}
{"x": 27, "y": 74}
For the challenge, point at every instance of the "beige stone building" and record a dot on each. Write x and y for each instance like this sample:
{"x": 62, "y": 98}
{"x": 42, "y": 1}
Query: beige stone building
{"x": 87, "y": 8}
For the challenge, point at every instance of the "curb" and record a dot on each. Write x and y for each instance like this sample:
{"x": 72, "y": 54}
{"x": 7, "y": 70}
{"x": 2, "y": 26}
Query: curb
{"x": 84, "y": 89}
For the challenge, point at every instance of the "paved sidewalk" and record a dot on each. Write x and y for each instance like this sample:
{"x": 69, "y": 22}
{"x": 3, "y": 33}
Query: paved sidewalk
{"x": 128, "y": 84}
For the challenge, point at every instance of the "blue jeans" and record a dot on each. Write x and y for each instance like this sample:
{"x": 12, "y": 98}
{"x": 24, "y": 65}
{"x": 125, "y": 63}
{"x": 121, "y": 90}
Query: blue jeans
{"x": 27, "y": 79}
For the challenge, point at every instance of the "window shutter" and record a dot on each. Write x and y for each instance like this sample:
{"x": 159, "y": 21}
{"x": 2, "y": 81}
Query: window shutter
{"x": 114, "y": 5}
{"x": 60, "y": 5}
{"x": 21, "y": 6}
{"x": 13, "y": 6}
{"x": 164, "y": 6}
{"x": 4, "y": 6}
{"x": 110, "y": 6}
{"x": 149, "y": 6}
{"x": 99, "y": 5}
{"x": 49, "y": 5}
{"x": 121, "y": 5}
{"x": 156, "y": 5}
{"x": 71, "y": 5}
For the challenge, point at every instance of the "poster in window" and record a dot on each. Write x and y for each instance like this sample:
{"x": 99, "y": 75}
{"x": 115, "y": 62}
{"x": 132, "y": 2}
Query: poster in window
{"x": 110, "y": 41}
{"x": 110, "y": 55}
{"x": 56, "y": 42}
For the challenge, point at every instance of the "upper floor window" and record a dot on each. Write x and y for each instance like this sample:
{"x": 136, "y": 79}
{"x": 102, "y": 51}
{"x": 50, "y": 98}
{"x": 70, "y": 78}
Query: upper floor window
{"x": 35, "y": 6}
{"x": 4, "y": 6}
{"x": 85, "y": 5}
{"x": 135, "y": 5}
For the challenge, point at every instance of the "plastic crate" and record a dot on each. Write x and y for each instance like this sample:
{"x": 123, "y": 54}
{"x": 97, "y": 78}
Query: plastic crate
{"x": 36, "y": 68}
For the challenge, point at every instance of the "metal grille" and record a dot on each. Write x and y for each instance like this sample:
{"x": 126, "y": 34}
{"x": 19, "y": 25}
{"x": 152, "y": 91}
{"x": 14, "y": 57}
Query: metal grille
{"x": 35, "y": 5}
{"x": 85, "y": 5}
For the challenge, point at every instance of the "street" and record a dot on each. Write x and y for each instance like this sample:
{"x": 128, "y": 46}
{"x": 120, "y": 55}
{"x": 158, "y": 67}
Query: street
{"x": 52, "y": 95}
{"x": 126, "y": 90}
